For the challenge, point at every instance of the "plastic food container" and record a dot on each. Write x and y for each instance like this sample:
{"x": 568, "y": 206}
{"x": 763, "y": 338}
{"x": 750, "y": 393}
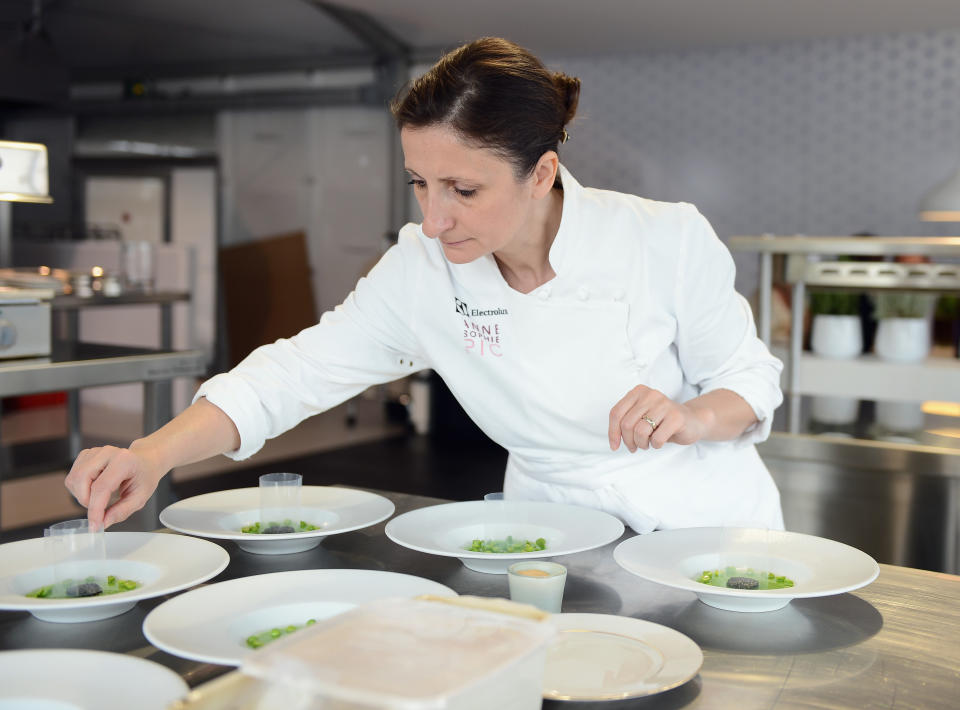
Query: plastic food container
{"x": 398, "y": 654}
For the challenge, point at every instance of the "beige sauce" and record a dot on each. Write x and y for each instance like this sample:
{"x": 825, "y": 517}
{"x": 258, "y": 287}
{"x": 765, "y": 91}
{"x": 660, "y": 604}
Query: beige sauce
{"x": 532, "y": 573}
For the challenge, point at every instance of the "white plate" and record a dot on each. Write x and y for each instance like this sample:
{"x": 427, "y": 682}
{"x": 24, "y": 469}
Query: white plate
{"x": 162, "y": 563}
{"x": 448, "y": 529}
{"x": 211, "y": 624}
{"x": 220, "y": 516}
{"x": 817, "y": 566}
{"x": 606, "y": 657}
{"x": 57, "y": 679}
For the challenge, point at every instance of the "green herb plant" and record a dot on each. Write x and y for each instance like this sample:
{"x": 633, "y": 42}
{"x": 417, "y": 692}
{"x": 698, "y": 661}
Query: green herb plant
{"x": 902, "y": 304}
{"x": 834, "y": 303}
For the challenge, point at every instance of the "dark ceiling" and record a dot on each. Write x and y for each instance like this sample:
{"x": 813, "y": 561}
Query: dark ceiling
{"x": 44, "y": 44}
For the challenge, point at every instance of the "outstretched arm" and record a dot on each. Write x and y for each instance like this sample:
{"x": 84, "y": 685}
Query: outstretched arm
{"x": 199, "y": 432}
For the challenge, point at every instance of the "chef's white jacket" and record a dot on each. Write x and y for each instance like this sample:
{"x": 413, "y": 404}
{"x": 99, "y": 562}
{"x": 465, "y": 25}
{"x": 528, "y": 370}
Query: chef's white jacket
{"x": 643, "y": 294}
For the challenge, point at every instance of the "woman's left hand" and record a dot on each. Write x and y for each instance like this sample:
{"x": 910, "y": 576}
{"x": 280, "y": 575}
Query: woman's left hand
{"x": 646, "y": 417}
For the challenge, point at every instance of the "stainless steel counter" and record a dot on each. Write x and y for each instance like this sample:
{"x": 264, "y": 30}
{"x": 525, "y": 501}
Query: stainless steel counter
{"x": 893, "y": 644}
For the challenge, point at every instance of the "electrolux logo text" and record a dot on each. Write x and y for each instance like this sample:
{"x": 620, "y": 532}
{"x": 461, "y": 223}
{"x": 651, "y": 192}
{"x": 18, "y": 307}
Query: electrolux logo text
{"x": 465, "y": 310}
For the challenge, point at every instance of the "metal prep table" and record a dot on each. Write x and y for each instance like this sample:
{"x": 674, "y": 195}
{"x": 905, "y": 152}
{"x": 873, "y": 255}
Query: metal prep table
{"x": 74, "y": 365}
{"x": 893, "y": 644}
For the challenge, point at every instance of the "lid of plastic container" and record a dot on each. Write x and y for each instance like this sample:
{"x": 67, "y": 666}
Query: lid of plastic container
{"x": 407, "y": 654}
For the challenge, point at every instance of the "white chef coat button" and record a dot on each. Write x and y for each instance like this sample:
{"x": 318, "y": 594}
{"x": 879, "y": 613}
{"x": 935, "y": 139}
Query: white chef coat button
{"x": 544, "y": 294}
{"x": 582, "y": 293}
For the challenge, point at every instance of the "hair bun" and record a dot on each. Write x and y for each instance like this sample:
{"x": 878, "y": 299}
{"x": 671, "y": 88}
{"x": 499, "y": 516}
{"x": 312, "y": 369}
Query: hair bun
{"x": 569, "y": 87}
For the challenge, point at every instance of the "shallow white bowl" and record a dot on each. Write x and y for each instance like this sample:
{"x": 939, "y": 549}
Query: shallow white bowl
{"x": 607, "y": 657}
{"x": 162, "y": 563}
{"x": 211, "y": 624}
{"x": 60, "y": 679}
{"x": 220, "y": 516}
{"x": 449, "y": 528}
{"x": 817, "y": 566}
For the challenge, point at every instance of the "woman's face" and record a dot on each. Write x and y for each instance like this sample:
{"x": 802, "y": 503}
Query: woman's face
{"x": 470, "y": 198}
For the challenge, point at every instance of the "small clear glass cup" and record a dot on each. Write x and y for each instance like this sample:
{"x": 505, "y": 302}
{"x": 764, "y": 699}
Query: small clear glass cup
{"x": 137, "y": 266}
{"x": 538, "y": 583}
{"x": 78, "y": 551}
{"x": 280, "y": 502}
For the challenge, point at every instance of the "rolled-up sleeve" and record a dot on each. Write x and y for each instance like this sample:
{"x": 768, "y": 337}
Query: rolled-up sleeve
{"x": 368, "y": 339}
{"x": 717, "y": 339}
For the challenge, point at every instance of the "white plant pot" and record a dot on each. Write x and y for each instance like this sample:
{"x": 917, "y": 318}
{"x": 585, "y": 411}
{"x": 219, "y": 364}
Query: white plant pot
{"x": 834, "y": 410}
{"x": 900, "y": 416}
{"x": 837, "y": 337}
{"x": 903, "y": 339}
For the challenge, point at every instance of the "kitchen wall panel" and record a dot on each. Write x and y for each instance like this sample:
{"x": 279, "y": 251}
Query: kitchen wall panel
{"x": 323, "y": 171}
{"x": 819, "y": 137}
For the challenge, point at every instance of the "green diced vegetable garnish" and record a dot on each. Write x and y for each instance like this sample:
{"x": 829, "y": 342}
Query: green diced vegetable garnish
{"x": 111, "y": 584}
{"x": 508, "y": 545}
{"x": 257, "y": 528}
{"x": 765, "y": 580}
{"x": 264, "y": 637}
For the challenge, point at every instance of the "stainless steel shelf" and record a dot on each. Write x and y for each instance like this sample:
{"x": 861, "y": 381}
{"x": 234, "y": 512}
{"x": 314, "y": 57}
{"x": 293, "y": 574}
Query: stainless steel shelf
{"x": 879, "y": 435}
{"x": 64, "y": 302}
{"x": 76, "y": 365}
{"x": 873, "y": 274}
{"x": 854, "y": 246}
{"x": 806, "y": 374}
{"x": 869, "y": 377}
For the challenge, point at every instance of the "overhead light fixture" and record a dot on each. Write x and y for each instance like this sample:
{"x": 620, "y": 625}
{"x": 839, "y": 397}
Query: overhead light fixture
{"x": 23, "y": 178}
{"x": 942, "y": 203}
{"x": 23, "y": 172}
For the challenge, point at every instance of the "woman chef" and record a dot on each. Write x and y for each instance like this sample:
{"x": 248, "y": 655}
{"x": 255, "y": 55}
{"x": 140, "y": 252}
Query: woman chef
{"x": 595, "y": 335}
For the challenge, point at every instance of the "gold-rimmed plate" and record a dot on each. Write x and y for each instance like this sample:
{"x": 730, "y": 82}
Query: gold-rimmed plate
{"x": 608, "y": 657}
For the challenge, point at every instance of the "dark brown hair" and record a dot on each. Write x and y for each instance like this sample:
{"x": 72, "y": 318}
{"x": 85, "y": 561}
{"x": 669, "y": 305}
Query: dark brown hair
{"x": 496, "y": 95}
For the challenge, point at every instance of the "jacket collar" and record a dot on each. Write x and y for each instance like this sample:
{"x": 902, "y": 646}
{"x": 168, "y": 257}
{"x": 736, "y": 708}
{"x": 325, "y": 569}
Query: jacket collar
{"x": 477, "y": 274}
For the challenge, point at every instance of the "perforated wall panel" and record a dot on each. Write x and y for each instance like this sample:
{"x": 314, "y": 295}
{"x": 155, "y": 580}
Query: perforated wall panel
{"x": 821, "y": 137}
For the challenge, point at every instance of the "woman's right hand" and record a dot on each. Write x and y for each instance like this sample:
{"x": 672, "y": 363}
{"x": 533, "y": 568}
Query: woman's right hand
{"x": 200, "y": 431}
{"x": 99, "y": 473}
